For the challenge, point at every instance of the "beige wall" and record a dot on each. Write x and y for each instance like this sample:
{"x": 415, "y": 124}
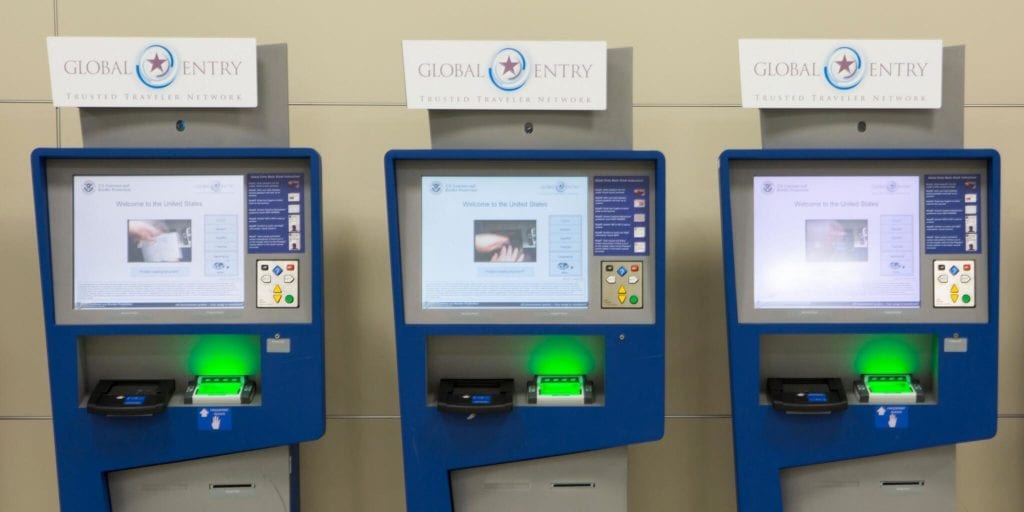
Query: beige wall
{"x": 347, "y": 95}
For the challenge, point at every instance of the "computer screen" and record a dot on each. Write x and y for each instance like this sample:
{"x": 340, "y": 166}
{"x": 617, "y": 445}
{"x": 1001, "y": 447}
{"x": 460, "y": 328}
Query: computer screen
{"x": 504, "y": 242}
{"x": 159, "y": 241}
{"x": 836, "y": 242}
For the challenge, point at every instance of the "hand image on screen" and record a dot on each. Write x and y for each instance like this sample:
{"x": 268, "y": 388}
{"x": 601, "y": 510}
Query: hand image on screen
{"x": 508, "y": 254}
{"x": 143, "y": 230}
{"x": 490, "y": 242}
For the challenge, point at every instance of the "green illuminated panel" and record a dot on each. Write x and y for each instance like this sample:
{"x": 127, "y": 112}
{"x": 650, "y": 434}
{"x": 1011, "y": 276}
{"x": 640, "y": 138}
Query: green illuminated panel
{"x": 219, "y": 386}
{"x": 560, "y": 386}
{"x": 889, "y": 384}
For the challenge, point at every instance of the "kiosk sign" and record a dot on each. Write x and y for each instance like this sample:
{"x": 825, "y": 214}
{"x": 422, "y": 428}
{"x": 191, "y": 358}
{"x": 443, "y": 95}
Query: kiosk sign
{"x": 510, "y": 75}
{"x": 152, "y": 72}
{"x": 822, "y": 73}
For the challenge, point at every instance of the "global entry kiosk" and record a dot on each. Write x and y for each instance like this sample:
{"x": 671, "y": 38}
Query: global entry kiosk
{"x": 181, "y": 255}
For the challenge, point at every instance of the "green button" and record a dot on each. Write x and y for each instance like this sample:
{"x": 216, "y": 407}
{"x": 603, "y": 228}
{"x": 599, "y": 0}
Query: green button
{"x": 289, "y": 299}
{"x": 967, "y": 299}
{"x": 633, "y": 299}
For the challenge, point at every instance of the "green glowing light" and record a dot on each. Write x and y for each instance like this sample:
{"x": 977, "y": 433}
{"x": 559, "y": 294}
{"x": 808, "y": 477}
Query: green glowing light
{"x": 887, "y": 354}
{"x": 225, "y": 354}
{"x": 561, "y": 355}
{"x": 889, "y": 384}
{"x": 219, "y": 386}
{"x": 560, "y": 386}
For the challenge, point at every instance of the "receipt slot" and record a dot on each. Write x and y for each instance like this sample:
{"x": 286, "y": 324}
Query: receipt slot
{"x": 529, "y": 315}
{"x": 862, "y": 294}
{"x": 178, "y": 379}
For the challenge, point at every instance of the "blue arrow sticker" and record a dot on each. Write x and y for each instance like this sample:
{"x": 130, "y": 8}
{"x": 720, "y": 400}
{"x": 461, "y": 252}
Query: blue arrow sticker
{"x": 889, "y": 418}
{"x": 214, "y": 419}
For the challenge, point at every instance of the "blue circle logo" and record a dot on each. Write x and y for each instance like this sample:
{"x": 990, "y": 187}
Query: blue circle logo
{"x": 508, "y": 70}
{"x": 844, "y": 68}
{"x": 768, "y": 187}
{"x": 156, "y": 68}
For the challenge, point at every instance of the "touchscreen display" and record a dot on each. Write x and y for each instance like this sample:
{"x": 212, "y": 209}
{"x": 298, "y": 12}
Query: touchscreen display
{"x": 836, "y": 242}
{"x": 158, "y": 242}
{"x": 504, "y": 242}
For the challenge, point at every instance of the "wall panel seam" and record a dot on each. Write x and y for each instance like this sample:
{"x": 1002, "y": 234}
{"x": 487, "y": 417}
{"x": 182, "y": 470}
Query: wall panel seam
{"x": 303, "y": 103}
{"x": 1014, "y": 416}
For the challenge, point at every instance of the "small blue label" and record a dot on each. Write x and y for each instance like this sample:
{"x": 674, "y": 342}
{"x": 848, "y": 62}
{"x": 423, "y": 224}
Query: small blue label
{"x": 134, "y": 400}
{"x": 817, "y": 397}
{"x": 480, "y": 399}
{"x": 892, "y": 417}
{"x": 214, "y": 419}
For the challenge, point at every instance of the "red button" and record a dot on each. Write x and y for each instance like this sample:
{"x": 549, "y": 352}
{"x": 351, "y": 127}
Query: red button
{"x": 967, "y": 266}
{"x": 635, "y": 268}
{"x": 291, "y": 267}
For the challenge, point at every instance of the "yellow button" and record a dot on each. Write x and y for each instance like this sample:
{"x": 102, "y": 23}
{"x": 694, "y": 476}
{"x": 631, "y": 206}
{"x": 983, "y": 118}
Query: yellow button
{"x": 954, "y": 296}
{"x": 954, "y": 289}
{"x": 622, "y": 289}
{"x": 622, "y": 298}
{"x": 277, "y": 298}
{"x": 277, "y": 289}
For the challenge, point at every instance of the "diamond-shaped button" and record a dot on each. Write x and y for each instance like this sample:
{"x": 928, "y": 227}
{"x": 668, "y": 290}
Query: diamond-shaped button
{"x": 278, "y": 270}
{"x": 622, "y": 271}
{"x": 953, "y": 270}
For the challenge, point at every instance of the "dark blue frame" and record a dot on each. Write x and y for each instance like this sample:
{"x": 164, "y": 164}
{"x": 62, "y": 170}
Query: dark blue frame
{"x": 435, "y": 443}
{"x": 767, "y": 441}
{"x": 88, "y": 446}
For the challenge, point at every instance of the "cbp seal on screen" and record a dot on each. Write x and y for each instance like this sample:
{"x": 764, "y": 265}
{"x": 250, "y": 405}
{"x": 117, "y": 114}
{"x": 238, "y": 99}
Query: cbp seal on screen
{"x": 508, "y": 70}
{"x": 435, "y": 187}
{"x": 768, "y": 187}
{"x": 844, "y": 68}
{"x": 88, "y": 187}
{"x": 156, "y": 67}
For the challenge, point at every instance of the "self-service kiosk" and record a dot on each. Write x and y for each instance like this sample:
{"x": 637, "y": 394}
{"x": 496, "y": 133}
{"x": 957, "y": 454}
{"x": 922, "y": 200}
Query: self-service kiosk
{"x": 184, "y": 324}
{"x": 862, "y": 295}
{"x": 529, "y": 312}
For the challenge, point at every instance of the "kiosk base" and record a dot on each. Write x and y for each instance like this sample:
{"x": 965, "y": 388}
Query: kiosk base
{"x": 256, "y": 481}
{"x": 592, "y": 481}
{"x": 917, "y": 481}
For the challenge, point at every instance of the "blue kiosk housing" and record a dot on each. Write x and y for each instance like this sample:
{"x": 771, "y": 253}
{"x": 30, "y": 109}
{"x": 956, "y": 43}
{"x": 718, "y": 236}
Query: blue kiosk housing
{"x": 862, "y": 292}
{"x": 529, "y": 313}
{"x": 184, "y": 322}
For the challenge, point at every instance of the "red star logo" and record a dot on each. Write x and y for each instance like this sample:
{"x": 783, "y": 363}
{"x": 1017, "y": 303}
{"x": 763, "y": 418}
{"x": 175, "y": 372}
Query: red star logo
{"x": 509, "y": 65}
{"x": 845, "y": 65}
{"x": 156, "y": 63}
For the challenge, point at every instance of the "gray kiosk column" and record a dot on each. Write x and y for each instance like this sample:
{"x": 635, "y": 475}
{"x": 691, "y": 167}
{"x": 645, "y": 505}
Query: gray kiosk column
{"x": 853, "y": 485}
{"x": 593, "y": 481}
{"x": 254, "y": 481}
